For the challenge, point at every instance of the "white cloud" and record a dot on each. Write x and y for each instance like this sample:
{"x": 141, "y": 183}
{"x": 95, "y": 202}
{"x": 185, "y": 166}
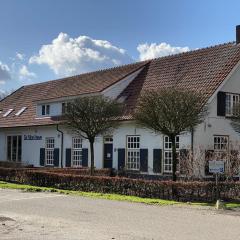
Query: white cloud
{"x": 24, "y": 73}
{"x": 4, "y": 72}
{"x": 20, "y": 56}
{"x": 68, "y": 56}
{"x": 154, "y": 50}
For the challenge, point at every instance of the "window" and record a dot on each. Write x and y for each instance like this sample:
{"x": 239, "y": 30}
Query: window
{"x": 49, "y": 151}
{"x": 7, "y": 113}
{"x": 221, "y": 143}
{"x": 20, "y": 111}
{"x": 45, "y": 110}
{"x": 14, "y": 148}
{"x": 108, "y": 139}
{"x": 133, "y": 152}
{"x": 168, "y": 153}
{"x": 232, "y": 100}
{"x": 64, "y": 107}
{"x": 76, "y": 152}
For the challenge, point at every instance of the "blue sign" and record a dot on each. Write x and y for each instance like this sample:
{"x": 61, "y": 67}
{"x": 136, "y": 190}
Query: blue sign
{"x": 32, "y": 137}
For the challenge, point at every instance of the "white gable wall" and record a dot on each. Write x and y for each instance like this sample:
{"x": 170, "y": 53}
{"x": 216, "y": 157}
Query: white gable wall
{"x": 114, "y": 90}
{"x": 218, "y": 125}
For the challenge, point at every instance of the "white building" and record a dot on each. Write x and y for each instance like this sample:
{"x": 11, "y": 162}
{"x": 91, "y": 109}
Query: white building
{"x": 31, "y": 133}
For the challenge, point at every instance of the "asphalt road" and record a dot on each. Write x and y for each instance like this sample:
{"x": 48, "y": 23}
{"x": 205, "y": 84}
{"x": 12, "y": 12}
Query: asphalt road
{"x": 31, "y": 216}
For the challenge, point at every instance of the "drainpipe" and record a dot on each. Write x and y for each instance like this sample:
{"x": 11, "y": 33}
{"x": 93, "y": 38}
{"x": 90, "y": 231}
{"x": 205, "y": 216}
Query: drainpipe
{"x": 61, "y": 145}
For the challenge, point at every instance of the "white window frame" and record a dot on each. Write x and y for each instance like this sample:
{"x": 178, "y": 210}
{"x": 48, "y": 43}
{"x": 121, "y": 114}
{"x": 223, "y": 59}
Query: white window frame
{"x": 17, "y": 148}
{"x": 46, "y": 111}
{"x": 133, "y": 152}
{"x": 167, "y": 156}
{"x": 232, "y": 99}
{"x": 76, "y": 152}
{"x": 108, "y": 139}
{"x": 49, "y": 151}
{"x": 220, "y": 143}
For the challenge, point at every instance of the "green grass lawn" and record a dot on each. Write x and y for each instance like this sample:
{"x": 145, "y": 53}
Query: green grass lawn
{"x": 117, "y": 197}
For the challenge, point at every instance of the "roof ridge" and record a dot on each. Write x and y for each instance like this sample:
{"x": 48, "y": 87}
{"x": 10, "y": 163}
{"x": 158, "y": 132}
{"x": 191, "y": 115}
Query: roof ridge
{"x": 88, "y": 73}
{"x": 193, "y": 51}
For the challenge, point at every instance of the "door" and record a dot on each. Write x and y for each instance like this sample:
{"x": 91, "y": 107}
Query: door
{"x": 108, "y": 152}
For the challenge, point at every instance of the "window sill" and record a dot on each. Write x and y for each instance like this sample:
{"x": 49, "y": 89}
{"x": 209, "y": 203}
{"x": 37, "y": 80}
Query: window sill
{"x": 43, "y": 117}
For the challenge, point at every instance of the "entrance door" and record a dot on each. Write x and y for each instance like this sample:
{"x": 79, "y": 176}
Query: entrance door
{"x": 14, "y": 148}
{"x": 108, "y": 152}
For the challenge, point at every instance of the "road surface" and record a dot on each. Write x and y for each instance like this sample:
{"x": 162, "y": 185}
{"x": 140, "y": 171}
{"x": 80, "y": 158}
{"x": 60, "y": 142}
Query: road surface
{"x": 48, "y": 216}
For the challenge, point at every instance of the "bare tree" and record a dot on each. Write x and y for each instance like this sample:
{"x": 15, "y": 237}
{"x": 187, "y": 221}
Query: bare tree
{"x": 170, "y": 112}
{"x": 193, "y": 163}
{"x": 90, "y": 116}
{"x": 233, "y": 165}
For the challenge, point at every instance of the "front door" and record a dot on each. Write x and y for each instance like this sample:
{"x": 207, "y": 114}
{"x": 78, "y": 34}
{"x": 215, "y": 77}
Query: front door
{"x": 108, "y": 152}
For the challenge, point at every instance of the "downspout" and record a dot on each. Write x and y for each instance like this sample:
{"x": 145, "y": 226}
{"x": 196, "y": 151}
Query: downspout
{"x": 61, "y": 145}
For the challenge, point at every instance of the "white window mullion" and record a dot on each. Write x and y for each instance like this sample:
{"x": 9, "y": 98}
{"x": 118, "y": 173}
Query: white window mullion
{"x": 77, "y": 152}
{"x": 167, "y": 163}
{"x": 133, "y": 152}
{"x": 49, "y": 151}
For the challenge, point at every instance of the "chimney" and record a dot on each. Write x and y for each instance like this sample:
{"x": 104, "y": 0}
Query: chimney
{"x": 237, "y": 34}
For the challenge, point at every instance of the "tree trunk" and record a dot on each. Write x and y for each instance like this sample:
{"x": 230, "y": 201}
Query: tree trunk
{"x": 174, "y": 158}
{"x": 92, "y": 156}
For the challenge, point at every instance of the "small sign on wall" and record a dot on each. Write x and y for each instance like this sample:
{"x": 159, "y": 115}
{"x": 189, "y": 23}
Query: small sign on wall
{"x": 32, "y": 137}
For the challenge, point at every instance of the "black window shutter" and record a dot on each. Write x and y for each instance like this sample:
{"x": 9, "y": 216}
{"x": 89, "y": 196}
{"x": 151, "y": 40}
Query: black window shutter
{"x": 183, "y": 158}
{"x": 157, "y": 160}
{"x": 121, "y": 158}
{"x": 85, "y": 157}
{"x": 208, "y": 157}
{"x": 144, "y": 160}
{"x": 221, "y": 103}
{"x": 56, "y": 157}
{"x": 42, "y": 156}
{"x": 68, "y": 157}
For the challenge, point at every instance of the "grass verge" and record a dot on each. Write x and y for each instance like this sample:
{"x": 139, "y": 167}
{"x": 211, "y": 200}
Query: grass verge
{"x": 107, "y": 196}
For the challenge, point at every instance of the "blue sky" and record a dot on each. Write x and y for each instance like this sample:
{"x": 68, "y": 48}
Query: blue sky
{"x": 43, "y": 40}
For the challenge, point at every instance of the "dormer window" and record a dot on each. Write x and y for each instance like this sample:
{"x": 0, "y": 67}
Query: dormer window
{"x": 7, "y": 113}
{"x": 45, "y": 110}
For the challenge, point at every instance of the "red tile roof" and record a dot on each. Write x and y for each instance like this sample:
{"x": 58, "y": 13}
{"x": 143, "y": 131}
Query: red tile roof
{"x": 204, "y": 69}
{"x": 87, "y": 83}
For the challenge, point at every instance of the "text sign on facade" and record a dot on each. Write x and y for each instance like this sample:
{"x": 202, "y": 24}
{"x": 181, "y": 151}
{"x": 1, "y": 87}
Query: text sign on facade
{"x": 32, "y": 137}
{"x": 216, "y": 166}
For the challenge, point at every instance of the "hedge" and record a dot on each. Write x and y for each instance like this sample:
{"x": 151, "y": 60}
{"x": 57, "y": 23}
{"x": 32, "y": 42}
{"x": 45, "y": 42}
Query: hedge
{"x": 181, "y": 191}
{"x": 78, "y": 171}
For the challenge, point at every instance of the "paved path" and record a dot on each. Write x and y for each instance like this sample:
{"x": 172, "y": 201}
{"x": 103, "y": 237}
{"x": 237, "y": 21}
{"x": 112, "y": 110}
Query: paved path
{"x": 30, "y": 216}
